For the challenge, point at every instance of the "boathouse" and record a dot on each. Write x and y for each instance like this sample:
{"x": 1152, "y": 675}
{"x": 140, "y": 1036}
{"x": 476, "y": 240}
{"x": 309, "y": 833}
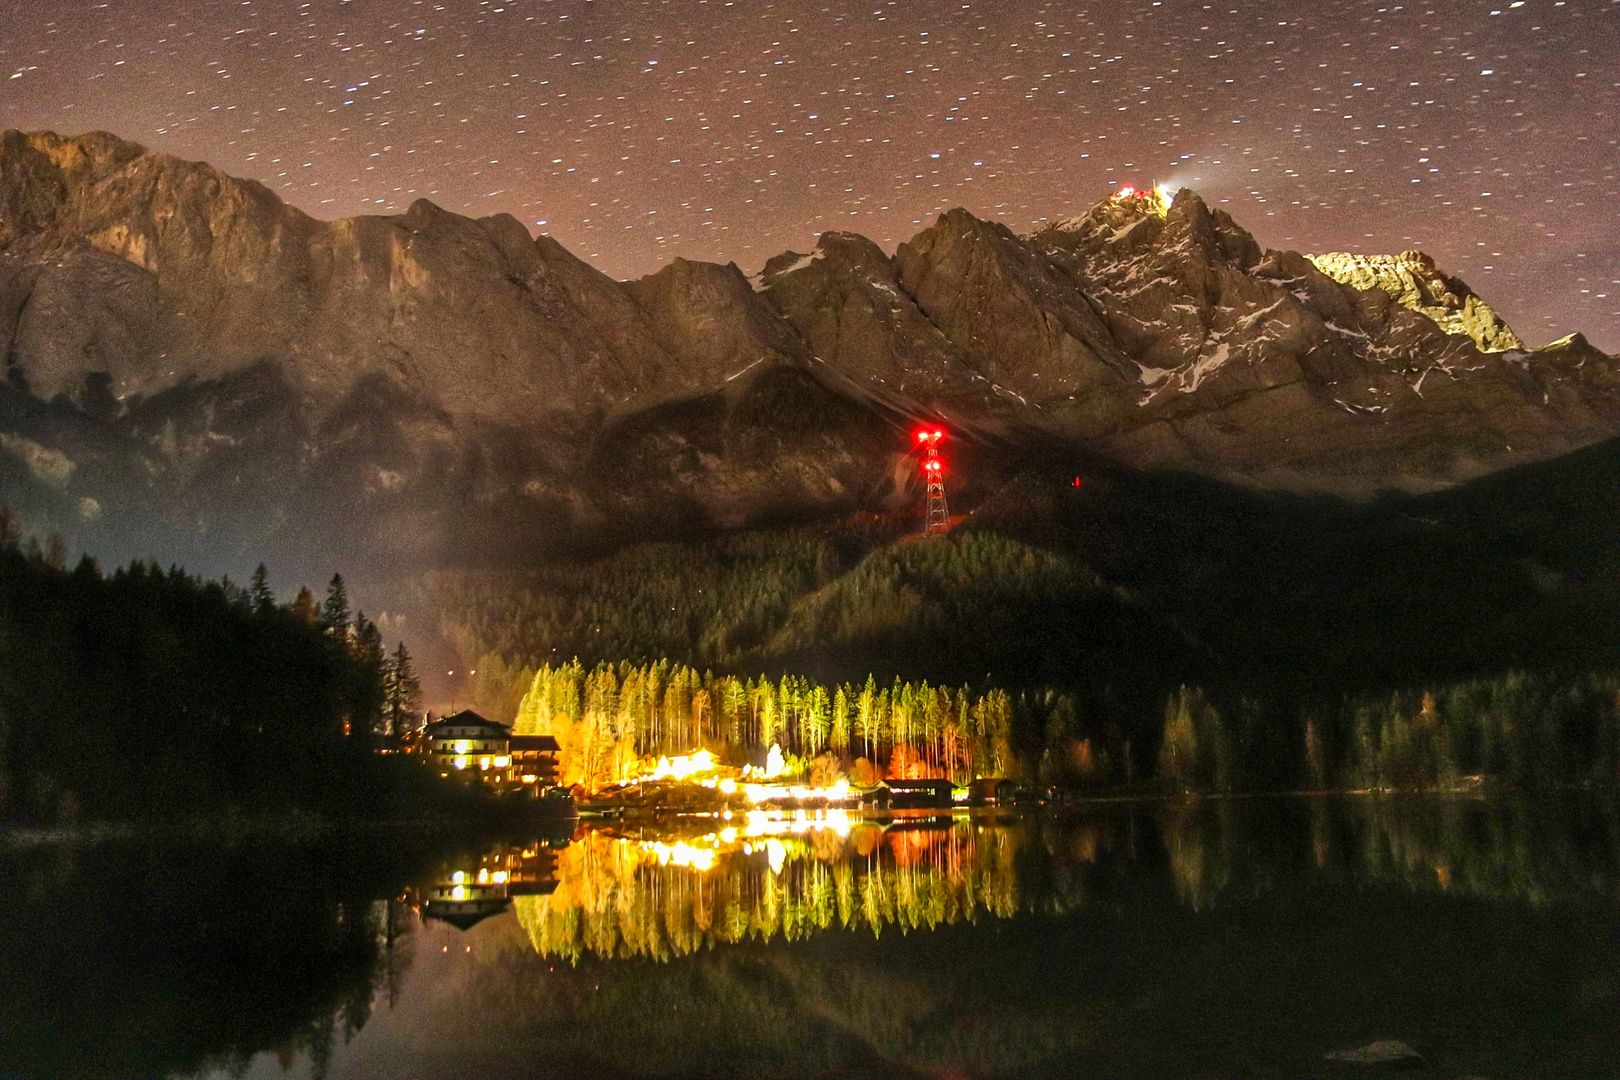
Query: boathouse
{"x": 930, "y": 792}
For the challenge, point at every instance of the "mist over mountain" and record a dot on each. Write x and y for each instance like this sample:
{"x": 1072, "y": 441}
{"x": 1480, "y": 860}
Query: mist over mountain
{"x": 197, "y": 371}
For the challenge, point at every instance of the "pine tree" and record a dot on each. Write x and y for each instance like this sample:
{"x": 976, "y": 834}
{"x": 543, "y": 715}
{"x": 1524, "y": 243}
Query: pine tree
{"x": 259, "y": 594}
{"x": 334, "y": 617}
{"x": 303, "y": 605}
{"x": 404, "y": 691}
{"x": 372, "y": 660}
{"x": 838, "y": 733}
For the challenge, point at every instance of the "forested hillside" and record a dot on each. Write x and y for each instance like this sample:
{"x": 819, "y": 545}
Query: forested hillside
{"x": 1277, "y": 640}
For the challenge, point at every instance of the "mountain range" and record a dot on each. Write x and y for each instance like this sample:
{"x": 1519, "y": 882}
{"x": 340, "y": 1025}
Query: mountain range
{"x": 198, "y": 371}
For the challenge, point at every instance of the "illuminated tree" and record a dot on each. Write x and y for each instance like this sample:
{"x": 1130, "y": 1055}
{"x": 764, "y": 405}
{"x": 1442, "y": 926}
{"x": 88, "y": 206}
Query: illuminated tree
{"x": 838, "y": 724}
{"x": 303, "y": 605}
{"x": 866, "y": 716}
{"x": 733, "y": 701}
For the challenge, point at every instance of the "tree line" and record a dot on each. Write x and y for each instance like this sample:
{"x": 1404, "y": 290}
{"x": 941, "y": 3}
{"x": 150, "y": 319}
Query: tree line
{"x": 1532, "y": 731}
{"x": 1526, "y": 729}
{"x": 149, "y": 692}
{"x": 611, "y": 717}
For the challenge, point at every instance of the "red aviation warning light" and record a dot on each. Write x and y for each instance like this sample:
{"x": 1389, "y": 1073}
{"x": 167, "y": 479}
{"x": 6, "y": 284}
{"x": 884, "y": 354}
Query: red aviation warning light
{"x": 938, "y": 516}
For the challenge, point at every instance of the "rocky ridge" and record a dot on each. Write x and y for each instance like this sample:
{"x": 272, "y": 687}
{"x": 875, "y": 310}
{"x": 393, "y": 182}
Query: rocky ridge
{"x": 1412, "y": 280}
{"x": 183, "y": 347}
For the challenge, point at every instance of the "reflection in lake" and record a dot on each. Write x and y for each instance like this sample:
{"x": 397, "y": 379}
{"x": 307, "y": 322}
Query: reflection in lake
{"x": 1219, "y": 938}
{"x": 771, "y": 877}
{"x": 668, "y": 894}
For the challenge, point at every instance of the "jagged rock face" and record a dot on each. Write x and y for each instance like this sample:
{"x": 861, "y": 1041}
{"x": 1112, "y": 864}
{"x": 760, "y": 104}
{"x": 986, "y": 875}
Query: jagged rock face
{"x": 1164, "y": 333}
{"x": 183, "y": 348}
{"x": 847, "y": 301}
{"x": 154, "y": 269}
{"x": 198, "y": 370}
{"x": 1413, "y": 281}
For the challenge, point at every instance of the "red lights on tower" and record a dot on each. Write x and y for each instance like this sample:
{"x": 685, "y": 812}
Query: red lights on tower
{"x": 938, "y": 517}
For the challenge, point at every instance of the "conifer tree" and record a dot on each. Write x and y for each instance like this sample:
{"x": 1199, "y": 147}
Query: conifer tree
{"x": 259, "y": 594}
{"x": 334, "y": 618}
{"x": 371, "y": 659}
{"x": 838, "y": 731}
{"x": 404, "y": 691}
{"x": 303, "y": 605}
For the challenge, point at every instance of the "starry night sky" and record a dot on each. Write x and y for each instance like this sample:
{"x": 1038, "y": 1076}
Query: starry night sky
{"x": 637, "y": 130}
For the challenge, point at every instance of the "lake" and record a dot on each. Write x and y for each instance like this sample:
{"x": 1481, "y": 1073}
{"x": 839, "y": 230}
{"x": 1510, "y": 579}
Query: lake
{"x": 1219, "y": 938}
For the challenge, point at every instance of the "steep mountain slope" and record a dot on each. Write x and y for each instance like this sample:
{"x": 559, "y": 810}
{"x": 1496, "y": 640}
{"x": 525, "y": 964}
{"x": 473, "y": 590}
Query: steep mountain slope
{"x": 1412, "y": 279}
{"x": 1164, "y": 334}
{"x": 197, "y": 370}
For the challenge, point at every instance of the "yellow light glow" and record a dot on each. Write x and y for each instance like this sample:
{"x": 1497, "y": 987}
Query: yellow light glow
{"x": 458, "y": 877}
{"x": 483, "y": 763}
{"x": 462, "y": 746}
{"x": 683, "y": 766}
{"x": 461, "y": 761}
{"x": 681, "y": 853}
{"x": 529, "y": 778}
{"x": 499, "y": 877}
{"x": 483, "y": 875}
{"x": 502, "y": 762}
{"x": 458, "y": 893}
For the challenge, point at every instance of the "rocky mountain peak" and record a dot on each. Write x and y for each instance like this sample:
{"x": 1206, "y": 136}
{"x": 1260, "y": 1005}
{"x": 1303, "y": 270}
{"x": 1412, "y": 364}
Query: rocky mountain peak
{"x": 221, "y": 333}
{"x": 1413, "y": 280}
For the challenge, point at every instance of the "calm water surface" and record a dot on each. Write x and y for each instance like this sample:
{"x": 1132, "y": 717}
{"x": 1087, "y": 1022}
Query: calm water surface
{"x": 1224, "y": 939}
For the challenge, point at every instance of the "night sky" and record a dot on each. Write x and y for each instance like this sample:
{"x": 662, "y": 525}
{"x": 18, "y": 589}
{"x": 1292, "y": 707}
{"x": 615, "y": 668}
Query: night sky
{"x": 634, "y": 131}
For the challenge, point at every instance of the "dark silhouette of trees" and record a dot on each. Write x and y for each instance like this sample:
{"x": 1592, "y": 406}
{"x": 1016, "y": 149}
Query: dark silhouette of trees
{"x": 259, "y": 591}
{"x": 149, "y": 692}
{"x": 402, "y": 692}
{"x": 334, "y": 616}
